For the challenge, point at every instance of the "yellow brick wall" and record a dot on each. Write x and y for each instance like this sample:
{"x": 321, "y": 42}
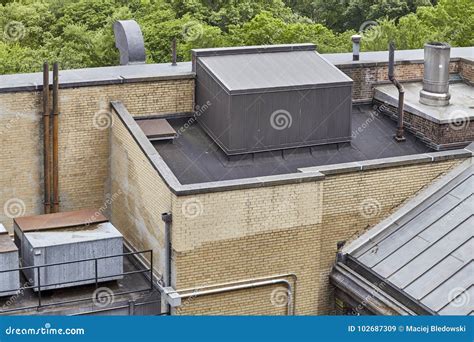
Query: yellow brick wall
{"x": 141, "y": 196}
{"x": 83, "y": 143}
{"x": 214, "y": 243}
{"x": 262, "y": 300}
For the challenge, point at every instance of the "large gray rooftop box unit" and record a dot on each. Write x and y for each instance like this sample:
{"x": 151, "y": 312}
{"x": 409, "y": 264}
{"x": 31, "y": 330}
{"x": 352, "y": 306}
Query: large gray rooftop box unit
{"x": 66, "y": 239}
{"x": 9, "y": 281}
{"x": 271, "y": 97}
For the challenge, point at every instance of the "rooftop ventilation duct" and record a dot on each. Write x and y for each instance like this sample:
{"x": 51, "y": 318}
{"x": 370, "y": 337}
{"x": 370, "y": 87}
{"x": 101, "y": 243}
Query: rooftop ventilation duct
{"x": 129, "y": 41}
{"x": 268, "y": 98}
{"x": 435, "y": 90}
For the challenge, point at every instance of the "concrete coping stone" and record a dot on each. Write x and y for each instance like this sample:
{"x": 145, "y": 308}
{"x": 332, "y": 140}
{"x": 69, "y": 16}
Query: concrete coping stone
{"x": 382, "y": 163}
{"x": 308, "y": 174}
{"x": 99, "y": 76}
{"x": 252, "y": 49}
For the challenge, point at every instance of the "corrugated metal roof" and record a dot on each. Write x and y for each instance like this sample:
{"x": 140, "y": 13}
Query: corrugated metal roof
{"x": 426, "y": 248}
{"x": 273, "y": 70}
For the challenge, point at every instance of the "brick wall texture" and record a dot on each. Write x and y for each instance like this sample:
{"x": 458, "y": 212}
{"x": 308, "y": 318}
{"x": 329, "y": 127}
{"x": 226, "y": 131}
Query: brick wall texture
{"x": 83, "y": 140}
{"x": 434, "y": 134}
{"x": 351, "y": 203}
{"x": 466, "y": 69}
{"x": 367, "y": 76}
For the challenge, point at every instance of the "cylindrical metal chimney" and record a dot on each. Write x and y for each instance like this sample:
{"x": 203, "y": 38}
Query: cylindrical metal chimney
{"x": 435, "y": 90}
{"x": 355, "y": 46}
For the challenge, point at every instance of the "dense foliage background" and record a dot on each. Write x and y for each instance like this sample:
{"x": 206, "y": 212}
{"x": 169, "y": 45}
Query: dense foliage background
{"x": 78, "y": 33}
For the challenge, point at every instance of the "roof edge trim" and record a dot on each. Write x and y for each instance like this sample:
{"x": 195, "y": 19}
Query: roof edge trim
{"x": 240, "y": 50}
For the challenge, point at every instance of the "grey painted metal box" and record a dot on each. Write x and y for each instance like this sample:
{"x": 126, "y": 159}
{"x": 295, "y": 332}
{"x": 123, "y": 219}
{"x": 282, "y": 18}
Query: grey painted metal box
{"x": 9, "y": 281}
{"x": 66, "y": 238}
{"x": 271, "y": 98}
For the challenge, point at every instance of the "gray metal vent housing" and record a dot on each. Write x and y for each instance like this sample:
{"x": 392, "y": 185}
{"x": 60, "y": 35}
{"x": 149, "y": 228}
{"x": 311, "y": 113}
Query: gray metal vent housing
{"x": 267, "y": 98}
{"x": 129, "y": 41}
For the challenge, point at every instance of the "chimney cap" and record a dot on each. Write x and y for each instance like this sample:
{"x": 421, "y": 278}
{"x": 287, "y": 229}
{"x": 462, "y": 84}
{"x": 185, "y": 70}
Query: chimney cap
{"x": 356, "y": 38}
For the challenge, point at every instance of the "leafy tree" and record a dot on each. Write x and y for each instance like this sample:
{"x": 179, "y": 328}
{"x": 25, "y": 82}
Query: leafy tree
{"x": 78, "y": 33}
{"x": 451, "y": 21}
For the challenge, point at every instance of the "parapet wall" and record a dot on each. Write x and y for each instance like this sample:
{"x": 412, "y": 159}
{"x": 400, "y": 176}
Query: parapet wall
{"x": 83, "y": 140}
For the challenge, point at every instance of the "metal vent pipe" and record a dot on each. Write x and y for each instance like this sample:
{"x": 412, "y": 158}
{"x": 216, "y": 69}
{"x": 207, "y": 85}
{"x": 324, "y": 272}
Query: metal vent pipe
{"x": 46, "y": 140}
{"x": 173, "y": 53}
{"x": 55, "y": 138}
{"x": 435, "y": 90}
{"x": 355, "y": 46}
{"x": 399, "y": 136}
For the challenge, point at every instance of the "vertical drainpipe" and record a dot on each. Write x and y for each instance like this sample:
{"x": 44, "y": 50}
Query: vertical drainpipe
{"x": 55, "y": 138}
{"x": 46, "y": 140}
{"x": 399, "y": 136}
{"x": 356, "y": 46}
{"x": 173, "y": 53}
{"x": 167, "y": 219}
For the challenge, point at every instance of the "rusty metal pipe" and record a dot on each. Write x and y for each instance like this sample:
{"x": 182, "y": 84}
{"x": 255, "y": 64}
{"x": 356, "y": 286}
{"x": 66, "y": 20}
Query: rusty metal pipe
{"x": 46, "y": 140}
{"x": 55, "y": 138}
{"x": 399, "y": 136}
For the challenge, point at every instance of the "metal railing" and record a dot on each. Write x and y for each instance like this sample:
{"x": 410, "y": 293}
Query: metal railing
{"x": 148, "y": 272}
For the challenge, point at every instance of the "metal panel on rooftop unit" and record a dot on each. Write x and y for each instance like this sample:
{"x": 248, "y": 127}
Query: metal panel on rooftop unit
{"x": 264, "y": 99}
{"x": 214, "y": 119}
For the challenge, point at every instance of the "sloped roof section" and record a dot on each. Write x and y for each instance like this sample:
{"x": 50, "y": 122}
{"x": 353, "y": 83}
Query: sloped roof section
{"x": 425, "y": 249}
{"x": 264, "y": 69}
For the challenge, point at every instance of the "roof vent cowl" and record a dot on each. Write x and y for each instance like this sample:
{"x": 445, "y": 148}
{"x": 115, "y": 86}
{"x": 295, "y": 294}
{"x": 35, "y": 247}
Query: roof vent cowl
{"x": 435, "y": 90}
{"x": 129, "y": 41}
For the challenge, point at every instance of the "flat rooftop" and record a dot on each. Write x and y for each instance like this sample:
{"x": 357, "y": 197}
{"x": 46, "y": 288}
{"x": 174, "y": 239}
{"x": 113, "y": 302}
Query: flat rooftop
{"x": 461, "y": 104}
{"x": 193, "y": 157}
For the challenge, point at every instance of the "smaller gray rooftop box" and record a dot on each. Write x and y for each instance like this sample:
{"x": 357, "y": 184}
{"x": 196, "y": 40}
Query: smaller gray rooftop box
{"x": 69, "y": 238}
{"x": 265, "y": 98}
{"x": 9, "y": 281}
